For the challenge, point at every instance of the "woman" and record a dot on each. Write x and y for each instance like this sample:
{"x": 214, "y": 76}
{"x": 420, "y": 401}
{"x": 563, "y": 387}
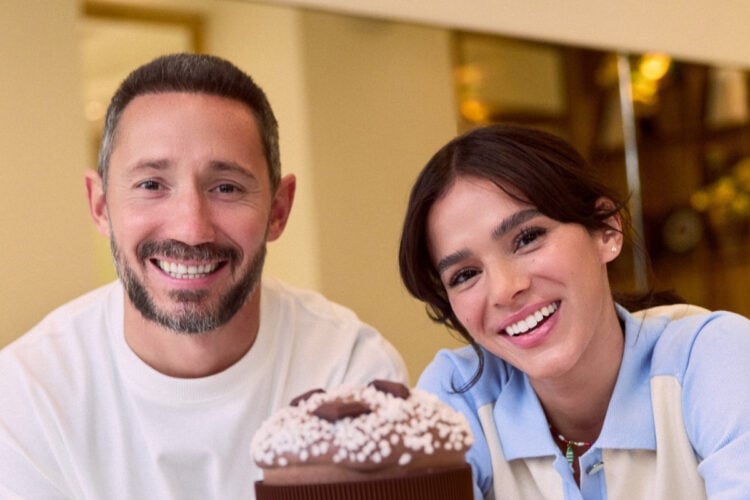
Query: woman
{"x": 507, "y": 238}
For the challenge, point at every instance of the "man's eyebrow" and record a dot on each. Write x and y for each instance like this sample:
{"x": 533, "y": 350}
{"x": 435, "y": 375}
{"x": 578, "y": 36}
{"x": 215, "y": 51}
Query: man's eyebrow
{"x": 216, "y": 165}
{"x": 151, "y": 164}
{"x": 229, "y": 166}
{"x": 513, "y": 221}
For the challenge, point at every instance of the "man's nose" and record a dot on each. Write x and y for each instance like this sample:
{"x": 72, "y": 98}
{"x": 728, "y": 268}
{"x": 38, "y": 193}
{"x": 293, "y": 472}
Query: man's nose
{"x": 191, "y": 219}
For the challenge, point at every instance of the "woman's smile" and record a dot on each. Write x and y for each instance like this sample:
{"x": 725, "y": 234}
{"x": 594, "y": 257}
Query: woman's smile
{"x": 532, "y": 321}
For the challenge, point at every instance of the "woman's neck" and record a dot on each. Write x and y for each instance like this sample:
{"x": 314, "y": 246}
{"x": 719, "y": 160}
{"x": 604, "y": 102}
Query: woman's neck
{"x": 577, "y": 403}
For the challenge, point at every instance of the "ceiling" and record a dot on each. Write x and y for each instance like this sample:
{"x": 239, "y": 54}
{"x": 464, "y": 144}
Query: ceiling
{"x": 709, "y": 31}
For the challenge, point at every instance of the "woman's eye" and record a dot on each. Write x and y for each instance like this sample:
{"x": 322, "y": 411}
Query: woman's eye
{"x": 461, "y": 277}
{"x": 529, "y": 236}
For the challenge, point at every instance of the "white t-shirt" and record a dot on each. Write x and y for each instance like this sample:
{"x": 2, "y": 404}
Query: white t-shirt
{"x": 81, "y": 416}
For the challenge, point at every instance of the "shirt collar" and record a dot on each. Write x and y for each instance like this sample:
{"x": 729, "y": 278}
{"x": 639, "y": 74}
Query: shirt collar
{"x": 520, "y": 420}
{"x": 629, "y": 423}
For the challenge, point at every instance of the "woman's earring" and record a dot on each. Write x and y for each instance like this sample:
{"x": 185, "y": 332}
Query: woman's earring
{"x": 614, "y": 249}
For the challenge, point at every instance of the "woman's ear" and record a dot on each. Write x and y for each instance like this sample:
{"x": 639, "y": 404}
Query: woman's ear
{"x": 97, "y": 202}
{"x": 611, "y": 238}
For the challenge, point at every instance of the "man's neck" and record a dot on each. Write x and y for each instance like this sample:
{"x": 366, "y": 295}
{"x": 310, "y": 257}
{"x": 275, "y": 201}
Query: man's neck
{"x": 193, "y": 355}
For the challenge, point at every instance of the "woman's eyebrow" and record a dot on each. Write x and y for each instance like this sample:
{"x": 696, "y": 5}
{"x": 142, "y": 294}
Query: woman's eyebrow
{"x": 451, "y": 259}
{"x": 513, "y": 221}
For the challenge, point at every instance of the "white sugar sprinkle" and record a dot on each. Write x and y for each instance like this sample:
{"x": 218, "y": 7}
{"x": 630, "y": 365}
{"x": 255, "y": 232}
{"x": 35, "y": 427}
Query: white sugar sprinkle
{"x": 417, "y": 425}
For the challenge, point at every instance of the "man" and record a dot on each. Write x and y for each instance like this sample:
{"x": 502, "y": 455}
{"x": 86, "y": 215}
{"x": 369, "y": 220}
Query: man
{"x": 152, "y": 387}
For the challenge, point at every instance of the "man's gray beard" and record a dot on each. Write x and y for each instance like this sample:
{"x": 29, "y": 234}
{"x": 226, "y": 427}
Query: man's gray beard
{"x": 190, "y": 320}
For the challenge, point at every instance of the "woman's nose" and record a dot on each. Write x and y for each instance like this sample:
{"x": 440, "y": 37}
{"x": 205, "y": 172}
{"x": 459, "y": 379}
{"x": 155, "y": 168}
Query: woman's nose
{"x": 507, "y": 280}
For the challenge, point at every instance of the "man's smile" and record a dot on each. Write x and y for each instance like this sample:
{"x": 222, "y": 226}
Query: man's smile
{"x": 187, "y": 271}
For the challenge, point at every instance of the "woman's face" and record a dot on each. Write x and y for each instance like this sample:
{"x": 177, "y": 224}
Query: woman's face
{"x": 528, "y": 288}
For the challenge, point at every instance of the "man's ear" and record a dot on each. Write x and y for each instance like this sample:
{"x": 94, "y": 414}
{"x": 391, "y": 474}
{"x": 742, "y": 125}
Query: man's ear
{"x": 97, "y": 202}
{"x": 610, "y": 239}
{"x": 281, "y": 206}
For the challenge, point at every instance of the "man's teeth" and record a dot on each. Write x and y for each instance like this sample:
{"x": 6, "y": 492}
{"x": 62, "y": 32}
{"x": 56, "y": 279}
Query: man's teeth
{"x": 181, "y": 271}
{"x": 531, "y": 321}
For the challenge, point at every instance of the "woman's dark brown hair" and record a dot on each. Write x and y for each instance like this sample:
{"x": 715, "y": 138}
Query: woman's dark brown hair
{"x": 530, "y": 165}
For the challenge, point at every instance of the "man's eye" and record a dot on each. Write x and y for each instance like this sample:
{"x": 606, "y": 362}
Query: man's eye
{"x": 149, "y": 185}
{"x": 226, "y": 188}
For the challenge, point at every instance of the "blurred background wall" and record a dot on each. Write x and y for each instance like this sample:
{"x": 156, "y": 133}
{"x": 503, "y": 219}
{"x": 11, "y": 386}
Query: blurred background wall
{"x": 362, "y": 101}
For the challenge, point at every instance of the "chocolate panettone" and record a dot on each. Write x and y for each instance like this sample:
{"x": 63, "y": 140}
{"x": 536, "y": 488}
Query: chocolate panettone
{"x": 381, "y": 441}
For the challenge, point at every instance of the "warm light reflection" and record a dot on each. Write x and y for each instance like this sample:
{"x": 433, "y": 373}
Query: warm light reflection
{"x": 646, "y": 76}
{"x": 654, "y": 66}
{"x": 469, "y": 75}
{"x": 469, "y": 78}
{"x": 474, "y": 110}
{"x": 650, "y": 70}
{"x": 726, "y": 200}
{"x": 644, "y": 90}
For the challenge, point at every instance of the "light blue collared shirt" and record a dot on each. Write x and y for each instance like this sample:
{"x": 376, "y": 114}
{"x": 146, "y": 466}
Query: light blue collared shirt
{"x": 708, "y": 354}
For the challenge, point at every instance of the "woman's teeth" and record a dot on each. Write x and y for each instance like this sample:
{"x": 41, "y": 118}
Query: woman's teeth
{"x": 531, "y": 321}
{"x": 183, "y": 272}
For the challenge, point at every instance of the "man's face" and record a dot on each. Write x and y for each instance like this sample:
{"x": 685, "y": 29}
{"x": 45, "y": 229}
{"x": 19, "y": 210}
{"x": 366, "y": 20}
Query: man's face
{"x": 188, "y": 208}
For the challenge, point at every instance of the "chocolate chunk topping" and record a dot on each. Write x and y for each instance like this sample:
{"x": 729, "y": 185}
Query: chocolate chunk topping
{"x": 303, "y": 397}
{"x": 339, "y": 409}
{"x": 396, "y": 389}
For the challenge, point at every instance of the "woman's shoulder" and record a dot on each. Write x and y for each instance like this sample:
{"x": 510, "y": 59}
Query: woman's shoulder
{"x": 702, "y": 335}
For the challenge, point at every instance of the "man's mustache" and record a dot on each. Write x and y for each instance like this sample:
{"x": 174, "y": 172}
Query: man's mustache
{"x": 174, "y": 249}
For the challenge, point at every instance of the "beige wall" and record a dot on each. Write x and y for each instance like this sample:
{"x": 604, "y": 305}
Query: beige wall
{"x": 46, "y": 245}
{"x": 381, "y": 103}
